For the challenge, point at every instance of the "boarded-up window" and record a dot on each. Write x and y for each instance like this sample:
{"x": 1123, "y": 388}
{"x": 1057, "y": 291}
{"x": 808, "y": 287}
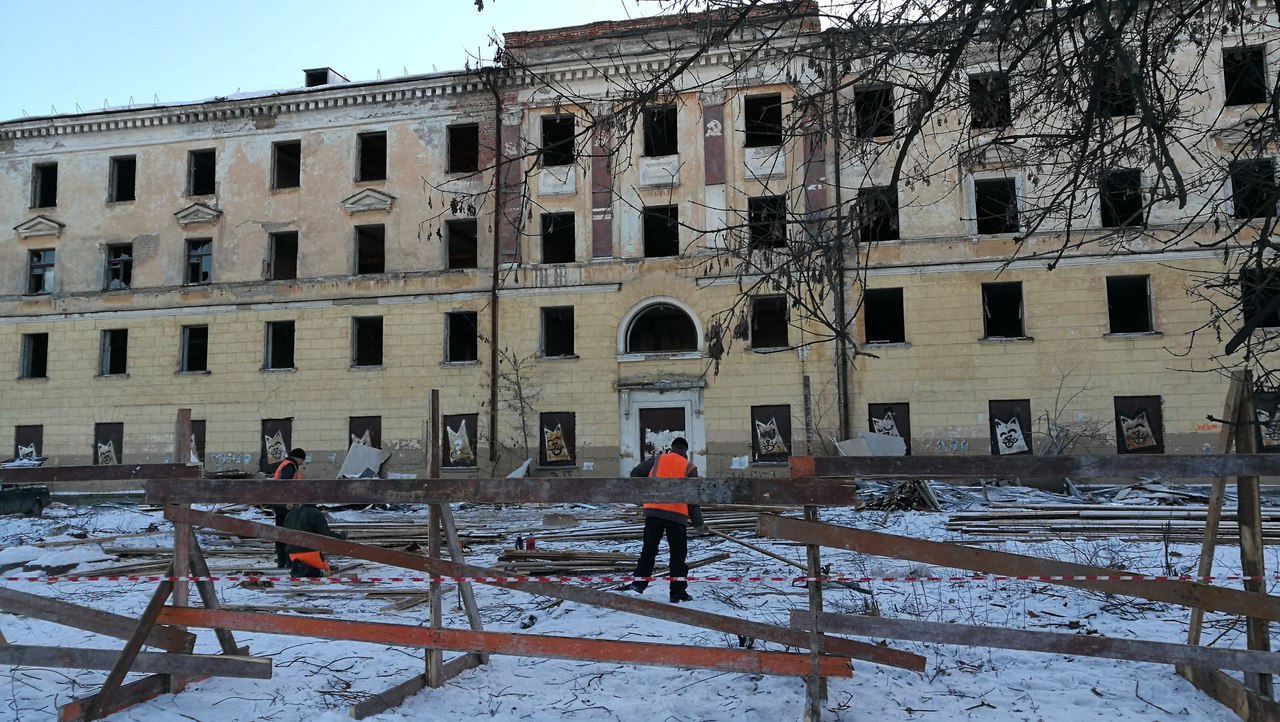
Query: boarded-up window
{"x": 197, "y": 441}
{"x": 1266, "y": 407}
{"x": 770, "y": 433}
{"x": 366, "y": 429}
{"x": 108, "y": 444}
{"x": 1010, "y": 424}
{"x": 1139, "y": 425}
{"x": 559, "y": 439}
{"x": 657, "y": 429}
{"x": 28, "y": 442}
{"x": 891, "y": 420}
{"x": 459, "y": 442}
{"x": 277, "y": 439}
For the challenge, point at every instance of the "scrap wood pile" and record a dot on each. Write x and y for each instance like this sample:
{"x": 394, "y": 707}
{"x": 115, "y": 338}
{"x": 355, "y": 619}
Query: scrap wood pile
{"x": 1044, "y": 522}
{"x": 911, "y": 495}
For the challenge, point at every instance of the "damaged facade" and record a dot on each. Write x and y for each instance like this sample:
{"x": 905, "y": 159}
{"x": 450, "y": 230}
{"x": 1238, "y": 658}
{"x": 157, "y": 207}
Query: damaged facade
{"x": 301, "y": 268}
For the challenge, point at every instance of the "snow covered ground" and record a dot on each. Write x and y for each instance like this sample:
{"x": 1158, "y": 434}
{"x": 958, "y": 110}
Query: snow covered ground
{"x": 315, "y": 680}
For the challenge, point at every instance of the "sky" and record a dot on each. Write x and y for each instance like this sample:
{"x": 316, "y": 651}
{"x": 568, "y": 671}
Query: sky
{"x": 58, "y": 54}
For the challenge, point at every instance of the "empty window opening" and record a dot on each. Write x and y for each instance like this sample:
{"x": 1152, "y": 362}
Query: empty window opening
{"x": 277, "y": 439}
{"x": 194, "y": 355}
{"x": 371, "y": 163}
{"x": 767, "y": 222}
{"x": 33, "y": 357}
{"x": 874, "y": 108}
{"x": 884, "y": 316}
{"x": 1129, "y": 304}
{"x": 1253, "y": 188}
{"x": 461, "y": 337}
{"x": 201, "y": 171}
{"x": 122, "y": 185}
{"x": 1002, "y": 310}
{"x": 763, "y": 116}
{"x": 1244, "y": 75}
{"x": 44, "y": 185}
{"x": 558, "y": 241}
{"x": 660, "y": 131}
{"x": 661, "y": 231}
{"x": 461, "y": 237}
{"x": 199, "y": 261}
{"x": 876, "y": 213}
{"x": 371, "y": 244}
{"x": 989, "y": 101}
{"x": 557, "y": 331}
{"x": 1257, "y": 290}
{"x": 282, "y": 261}
{"x": 108, "y": 444}
{"x": 1120, "y": 190}
{"x": 40, "y": 271}
{"x": 1115, "y": 92}
{"x": 464, "y": 148}
{"x": 113, "y": 357}
{"x": 557, "y": 140}
{"x": 769, "y": 322}
{"x": 366, "y": 341}
{"x": 28, "y": 441}
{"x": 996, "y": 205}
{"x": 279, "y": 351}
{"x": 119, "y": 266}
{"x": 286, "y": 164}
{"x": 365, "y": 429}
{"x": 662, "y": 328}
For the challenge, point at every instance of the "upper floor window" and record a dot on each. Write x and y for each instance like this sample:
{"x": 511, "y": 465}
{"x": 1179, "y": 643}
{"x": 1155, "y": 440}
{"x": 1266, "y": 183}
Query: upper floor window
{"x": 462, "y": 331}
{"x": 202, "y": 166}
{"x": 1244, "y": 75}
{"x": 44, "y": 185}
{"x": 876, "y": 213}
{"x": 995, "y": 205}
{"x": 557, "y": 331}
{"x": 767, "y": 222}
{"x": 1253, "y": 188}
{"x": 769, "y": 322}
{"x": 989, "y": 101}
{"x": 463, "y": 148}
{"x": 763, "y": 116}
{"x": 278, "y": 353}
{"x": 1258, "y": 291}
{"x": 557, "y": 140}
{"x": 559, "y": 244}
{"x": 282, "y": 259}
{"x": 660, "y": 136}
{"x": 366, "y": 341}
{"x": 461, "y": 237}
{"x": 1115, "y": 92}
{"x": 1129, "y": 304}
{"x": 199, "y": 261}
{"x": 371, "y": 249}
{"x": 113, "y": 352}
{"x": 194, "y": 354}
{"x": 33, "y": 356}
{"x": 286, "y": 164}
{"x": 661, "y": 231}
{"x": 371, "y": 157}
{"x": 121, "y": 185}
{"x": 1002, "y": 310}
{"x": 40, "y": 271}
{"x": 884, "y": 316}
{"x": 119, "y": 271}
{"x": 1120, "y": 192}
{"x": 874, "y": 109}
{"x": 662, "y": 328}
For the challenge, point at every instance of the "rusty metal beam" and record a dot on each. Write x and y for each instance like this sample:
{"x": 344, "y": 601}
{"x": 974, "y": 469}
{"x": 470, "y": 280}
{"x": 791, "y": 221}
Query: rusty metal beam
{"x": 123, "y": 472}
{"x": 191, "y": 665}
{"x": 89, "y": 619}
{"x": 1167, "y": 467}
{"x": 1187, "y": 594}
{"x": 521, "y": 645}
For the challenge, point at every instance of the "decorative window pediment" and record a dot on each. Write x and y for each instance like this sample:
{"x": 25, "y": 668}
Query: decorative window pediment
{"x": 369, "y": 199}
{"x": 197, "y": 213}
{"x": 996, "y": 153}
{"x": 39, "y": 226}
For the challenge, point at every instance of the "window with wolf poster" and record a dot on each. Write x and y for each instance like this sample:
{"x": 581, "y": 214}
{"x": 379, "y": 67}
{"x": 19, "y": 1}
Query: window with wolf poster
{"x": 1139, "y": 425}
{"x": 1266, "y": 407}
{"x": 891, "y": 420}
{"x": 558, "y": 439}
{"x": 459, "y": 442}
{"x": 1010, "y": 424}
{"x": 770, "y": 433}
{"x": 277, "y": 439}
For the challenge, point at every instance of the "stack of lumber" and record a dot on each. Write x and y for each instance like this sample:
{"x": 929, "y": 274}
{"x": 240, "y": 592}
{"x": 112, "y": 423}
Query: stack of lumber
{"x": 575, "y": 563}
{"x": 631, "y": 527}
{"x": 1045, "y": 522}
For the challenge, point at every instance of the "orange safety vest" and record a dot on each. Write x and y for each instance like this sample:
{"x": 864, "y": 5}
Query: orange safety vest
{"x": 296, "y": 474}
{"x": 670, "y": 466}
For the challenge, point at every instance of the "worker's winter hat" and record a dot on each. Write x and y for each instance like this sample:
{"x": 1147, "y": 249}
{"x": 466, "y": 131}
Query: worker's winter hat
{"x": 298, "y": 453}
{"x": 680, "y": 444}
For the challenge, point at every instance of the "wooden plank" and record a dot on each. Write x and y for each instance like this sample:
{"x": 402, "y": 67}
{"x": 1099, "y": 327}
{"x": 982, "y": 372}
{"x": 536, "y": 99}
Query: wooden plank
{"x": 129, "y": 694}
{"x": 89, "y": 619}
{"x": 434, "y": 657}
{"x": 383, "y": 701}
{"x": 583, "y": 595}
{"x": 122, "y": 472}
{"x": 208, "y": 594}
{"x": 1187, "y": 594}
{"x": 814, "y": 685}
{"x": 208, "y": 665}
{"x": 101, "y": 705}
{"x": 1247, "y": 704}
{"x": 1249, "y": 521}
{"x": 520, "y": 645}
{"x": 1080, "y": 645}
{"x": 1166, "y": 466}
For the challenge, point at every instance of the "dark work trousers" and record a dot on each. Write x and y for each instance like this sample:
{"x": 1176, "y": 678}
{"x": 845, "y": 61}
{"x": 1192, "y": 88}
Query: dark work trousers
{"x": 282, "y": 558}
{"x": 677, "y": 542}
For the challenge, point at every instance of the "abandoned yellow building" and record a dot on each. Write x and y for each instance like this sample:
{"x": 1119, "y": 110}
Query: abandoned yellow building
{"x": 300, "y": 268}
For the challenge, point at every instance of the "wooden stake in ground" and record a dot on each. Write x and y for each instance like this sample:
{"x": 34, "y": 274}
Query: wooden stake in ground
{"x": 434, "y": 657}
{"x": 1252, "y": 565}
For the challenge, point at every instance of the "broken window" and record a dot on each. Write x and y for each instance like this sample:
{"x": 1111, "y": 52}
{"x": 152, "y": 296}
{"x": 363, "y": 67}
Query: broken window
{"x": 464, "y": 148}
{"x": 661, "y": 231}
{"x": 1258, "y": 289}
{"x": 119, "y": 272}
{"x": 660, "y": 131}
{"x": 769, "y": 322}
{"x": 558, "y": 241}
{"x": 891, "y": 420}
{"x": 1120, "y": 190}
{"x": 1244, "y": 75}
{"x": 559, "y": 446}
{"x": 463, "y": 249}
{"x": 279, "y": 351}
{"x": 282, "y": 263}
{"x": 366, "y": 341}
{"x": 33, "y": 356}
{"x": 201, "y": 172}
{"x": 286, "y": 164}
{"x": 459, "y": 440}
{"x": 277, "y": 440}
{"x": 108, "y": 444}
{"x": 1139, "y": 425}
{"x": 1129, "y": 304}
{"x": 883, "y": 316}
{"x": 662, "y": 328}
{"x": 371, "y": 160}
{"x": 770, "y": 433}
{"x": 199, "y": 261}
{"x": 557, "y": 331}
{"x": 197, "y": 440}
{"x": 557, "y": 140}
{"x": 876, "y": 213}
{"x": 874, "y": 108}
{"x": 995, "y": 205}
{"x": 365, "y": 429}
{"x": 1010, "y": 427}
{"x": 763, "y": 116}
{"x": 194, "y": 355}
{"x": 40, "y": 271}
{"x": 1115, "y": 91}
{"x": 121, "y": 185}
{"x": 371, "y": 244}
{"x": 28, "y": 441}
{"x": 113, "y": 354}
{"x": 462, "y": 332}
{"x": 1253, "y": 188}
{"x": 44, "y": 185}
{"x": 1002, "y": 310}
{"x": 989, "y": 101}
{"x": 767, "y": 222}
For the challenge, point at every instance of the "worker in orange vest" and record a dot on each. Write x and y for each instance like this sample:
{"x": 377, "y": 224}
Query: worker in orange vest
{"x": 289, "y": 468}
{"x": 669, "y": 519}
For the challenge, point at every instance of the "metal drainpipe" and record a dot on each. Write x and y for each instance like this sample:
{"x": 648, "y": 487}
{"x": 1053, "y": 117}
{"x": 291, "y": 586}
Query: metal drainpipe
{"x": 498, "y": 217}
{"x": 842, "y": 343}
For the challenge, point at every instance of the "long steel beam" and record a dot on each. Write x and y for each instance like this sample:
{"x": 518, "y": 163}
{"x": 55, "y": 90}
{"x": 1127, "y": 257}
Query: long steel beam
{"x": 1191, "y": 466}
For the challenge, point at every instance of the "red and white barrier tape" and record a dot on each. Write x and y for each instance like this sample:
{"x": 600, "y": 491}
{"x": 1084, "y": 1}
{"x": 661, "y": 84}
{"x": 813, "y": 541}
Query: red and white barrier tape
{"x": 626, "y": 579}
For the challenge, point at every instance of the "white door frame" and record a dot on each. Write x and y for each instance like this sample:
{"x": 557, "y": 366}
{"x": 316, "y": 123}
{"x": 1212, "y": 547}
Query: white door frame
{"x": 629, "y": 404}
